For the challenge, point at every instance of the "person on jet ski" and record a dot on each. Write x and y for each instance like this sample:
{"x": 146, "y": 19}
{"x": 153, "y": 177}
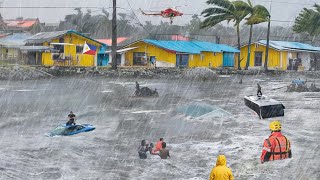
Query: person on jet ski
{"x": 71, "y": 119}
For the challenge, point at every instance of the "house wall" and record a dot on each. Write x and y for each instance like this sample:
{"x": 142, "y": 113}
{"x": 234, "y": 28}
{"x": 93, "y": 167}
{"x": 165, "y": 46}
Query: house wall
{"x": 77, "y": 59}
{"x": 162, "y": 56}
{"x": 209, "y": 59}
{"x": 3, "y": 53}
{"x": 305, "y": 59}
{"x": 276, "y": 59}
{"x": 166, "y": 58}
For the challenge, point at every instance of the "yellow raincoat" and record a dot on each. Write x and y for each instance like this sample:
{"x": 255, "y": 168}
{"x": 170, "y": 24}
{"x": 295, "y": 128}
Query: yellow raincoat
{"x": 221, "y": 171}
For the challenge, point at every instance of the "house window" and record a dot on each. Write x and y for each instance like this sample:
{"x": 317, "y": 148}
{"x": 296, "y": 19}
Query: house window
{"x": 257, "y": 58}
{"x": 139, "y": 58}
{"x": 201, "y": 57}
{"x": 57, "y": 57}
{"x": 59, "y": 48}
{"x": 79, "y": 49}
{"x": 214, "y": 54}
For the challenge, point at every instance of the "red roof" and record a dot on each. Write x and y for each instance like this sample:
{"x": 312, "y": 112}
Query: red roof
{"x": 179, "y": 38}
{"x": 4, "y": 35}
{"x": 109, "y": 41}
{"x": 21, "y": 23}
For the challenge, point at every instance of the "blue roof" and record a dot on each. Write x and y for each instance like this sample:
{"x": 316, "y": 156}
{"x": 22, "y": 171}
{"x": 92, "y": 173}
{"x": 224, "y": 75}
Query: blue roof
{"x": 191, "y": 47}
{"x": 286, "y": 45}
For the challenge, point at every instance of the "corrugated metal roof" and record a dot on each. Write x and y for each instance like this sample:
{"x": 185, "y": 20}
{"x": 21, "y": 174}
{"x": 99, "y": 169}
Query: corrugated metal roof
{"x": 47, "y": 36}
{"x": 286, "y": 45}
{"x": 191, "y": 47}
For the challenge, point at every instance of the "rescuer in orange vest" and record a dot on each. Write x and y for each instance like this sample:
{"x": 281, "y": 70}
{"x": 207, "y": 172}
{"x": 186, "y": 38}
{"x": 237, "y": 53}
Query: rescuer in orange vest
{"x": 277, "y": 146}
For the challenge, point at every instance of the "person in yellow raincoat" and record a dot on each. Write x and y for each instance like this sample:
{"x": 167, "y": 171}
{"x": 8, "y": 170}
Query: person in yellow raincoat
{"x": 221, "y": 171}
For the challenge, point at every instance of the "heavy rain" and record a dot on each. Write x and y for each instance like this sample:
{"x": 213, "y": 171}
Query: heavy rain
{"x": 88, "y": 89}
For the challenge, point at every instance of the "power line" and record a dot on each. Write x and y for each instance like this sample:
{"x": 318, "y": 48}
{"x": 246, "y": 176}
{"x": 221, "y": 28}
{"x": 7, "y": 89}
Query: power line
{"x": 51, "y": 7}
{"x": 274, "y": 20}
{"x": 285, "y": 2}
{"x": 139, "y": 22}
{"x": 58, "y": 7}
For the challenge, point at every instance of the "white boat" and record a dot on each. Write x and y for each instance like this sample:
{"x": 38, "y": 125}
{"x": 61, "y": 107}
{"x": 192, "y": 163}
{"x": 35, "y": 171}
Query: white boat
{"x": 264, "y": 106}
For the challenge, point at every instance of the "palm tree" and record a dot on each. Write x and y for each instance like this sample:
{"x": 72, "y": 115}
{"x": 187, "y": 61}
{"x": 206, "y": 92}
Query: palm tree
{"x": 226, "y": 10}
{"x": 258, "y": 14}
{"x": 309, "y": 21}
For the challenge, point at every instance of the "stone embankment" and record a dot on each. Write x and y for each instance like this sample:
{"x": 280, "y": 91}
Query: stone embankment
{"x": 19, "y": 72}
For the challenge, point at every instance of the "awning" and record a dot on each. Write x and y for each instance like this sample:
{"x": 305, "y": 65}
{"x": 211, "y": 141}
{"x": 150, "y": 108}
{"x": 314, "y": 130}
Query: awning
{"x": 122, "y": 50}
{"x": 34, "y": 48}
{"x": 64, "y": 44}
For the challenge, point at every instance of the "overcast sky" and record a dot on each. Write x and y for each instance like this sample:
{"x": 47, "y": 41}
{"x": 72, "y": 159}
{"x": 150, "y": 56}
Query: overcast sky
{"x": 283, "y": 10}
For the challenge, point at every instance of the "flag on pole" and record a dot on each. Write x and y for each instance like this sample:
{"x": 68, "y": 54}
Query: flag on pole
{"x": 89, "y": 49}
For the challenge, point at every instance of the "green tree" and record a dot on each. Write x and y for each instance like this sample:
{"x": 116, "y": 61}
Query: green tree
{"x": 258, "y": 14}
{"x": 225, "y": 10}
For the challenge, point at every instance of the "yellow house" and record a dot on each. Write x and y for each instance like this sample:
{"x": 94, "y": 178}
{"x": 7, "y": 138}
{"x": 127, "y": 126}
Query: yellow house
{"x": 62, "y": 48}
{"x": 283, "y": 55}
{"x": 178, "y": 54}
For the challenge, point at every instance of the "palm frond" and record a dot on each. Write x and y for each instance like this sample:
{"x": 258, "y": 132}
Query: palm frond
{"x": 226, "y": 4}
{"x": 242, "y": 10}
{"x": 308, "y": 21}
{"x": 214, "y": 20}
{"x": 214, "y": 11}
{"x": 259, "y": 15}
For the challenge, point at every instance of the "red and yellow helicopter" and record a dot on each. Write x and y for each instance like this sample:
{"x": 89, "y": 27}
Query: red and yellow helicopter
{"x": 167, "y": 13}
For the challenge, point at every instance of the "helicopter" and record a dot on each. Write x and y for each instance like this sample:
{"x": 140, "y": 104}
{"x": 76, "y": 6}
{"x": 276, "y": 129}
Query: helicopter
{"x": 167, "y": 13}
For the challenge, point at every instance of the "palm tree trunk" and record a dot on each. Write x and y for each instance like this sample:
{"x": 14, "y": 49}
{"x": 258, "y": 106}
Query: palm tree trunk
{"x": 267, "y": 48}
{"x": 249, "y": 48}
{"x": 238, "y": 34}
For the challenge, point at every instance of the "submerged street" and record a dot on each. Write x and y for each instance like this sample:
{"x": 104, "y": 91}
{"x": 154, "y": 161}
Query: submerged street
{"x": 30, "y": 109}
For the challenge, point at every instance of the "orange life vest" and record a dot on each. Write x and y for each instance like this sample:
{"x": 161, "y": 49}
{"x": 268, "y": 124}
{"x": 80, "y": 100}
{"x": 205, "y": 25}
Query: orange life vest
{"x": 279, "y": 147}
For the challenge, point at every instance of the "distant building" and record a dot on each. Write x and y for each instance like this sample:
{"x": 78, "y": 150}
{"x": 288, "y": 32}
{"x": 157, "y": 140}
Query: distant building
{"x": 108, "y": 42}
{"x": 62, "y": 48}
{"x": 179, "y": 38}
{"x": 48, "y": 27}
{"x": 283, "y": 55}
{"x": 180, "y": 54}
{"x": 10, "y": 45}
{"x": 24, "y": 25}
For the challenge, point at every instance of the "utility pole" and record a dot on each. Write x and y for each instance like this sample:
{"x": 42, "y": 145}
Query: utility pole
{"x": 114, "y": 36}
{"x": 268, "y": 39}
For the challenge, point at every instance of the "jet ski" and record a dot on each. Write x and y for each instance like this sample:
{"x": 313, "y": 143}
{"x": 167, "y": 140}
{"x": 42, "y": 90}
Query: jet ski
{"x": 67, "y": 130}
{"x": 265, "y": 107}
{"x": 298, "y": 82}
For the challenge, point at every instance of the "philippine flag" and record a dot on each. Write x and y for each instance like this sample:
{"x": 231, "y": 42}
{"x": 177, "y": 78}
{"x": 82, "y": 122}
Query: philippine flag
{"x": 89, "y": 49}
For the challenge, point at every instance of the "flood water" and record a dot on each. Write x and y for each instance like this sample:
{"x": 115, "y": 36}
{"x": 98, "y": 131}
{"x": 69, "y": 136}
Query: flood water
{"x": 30, "y": 109}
